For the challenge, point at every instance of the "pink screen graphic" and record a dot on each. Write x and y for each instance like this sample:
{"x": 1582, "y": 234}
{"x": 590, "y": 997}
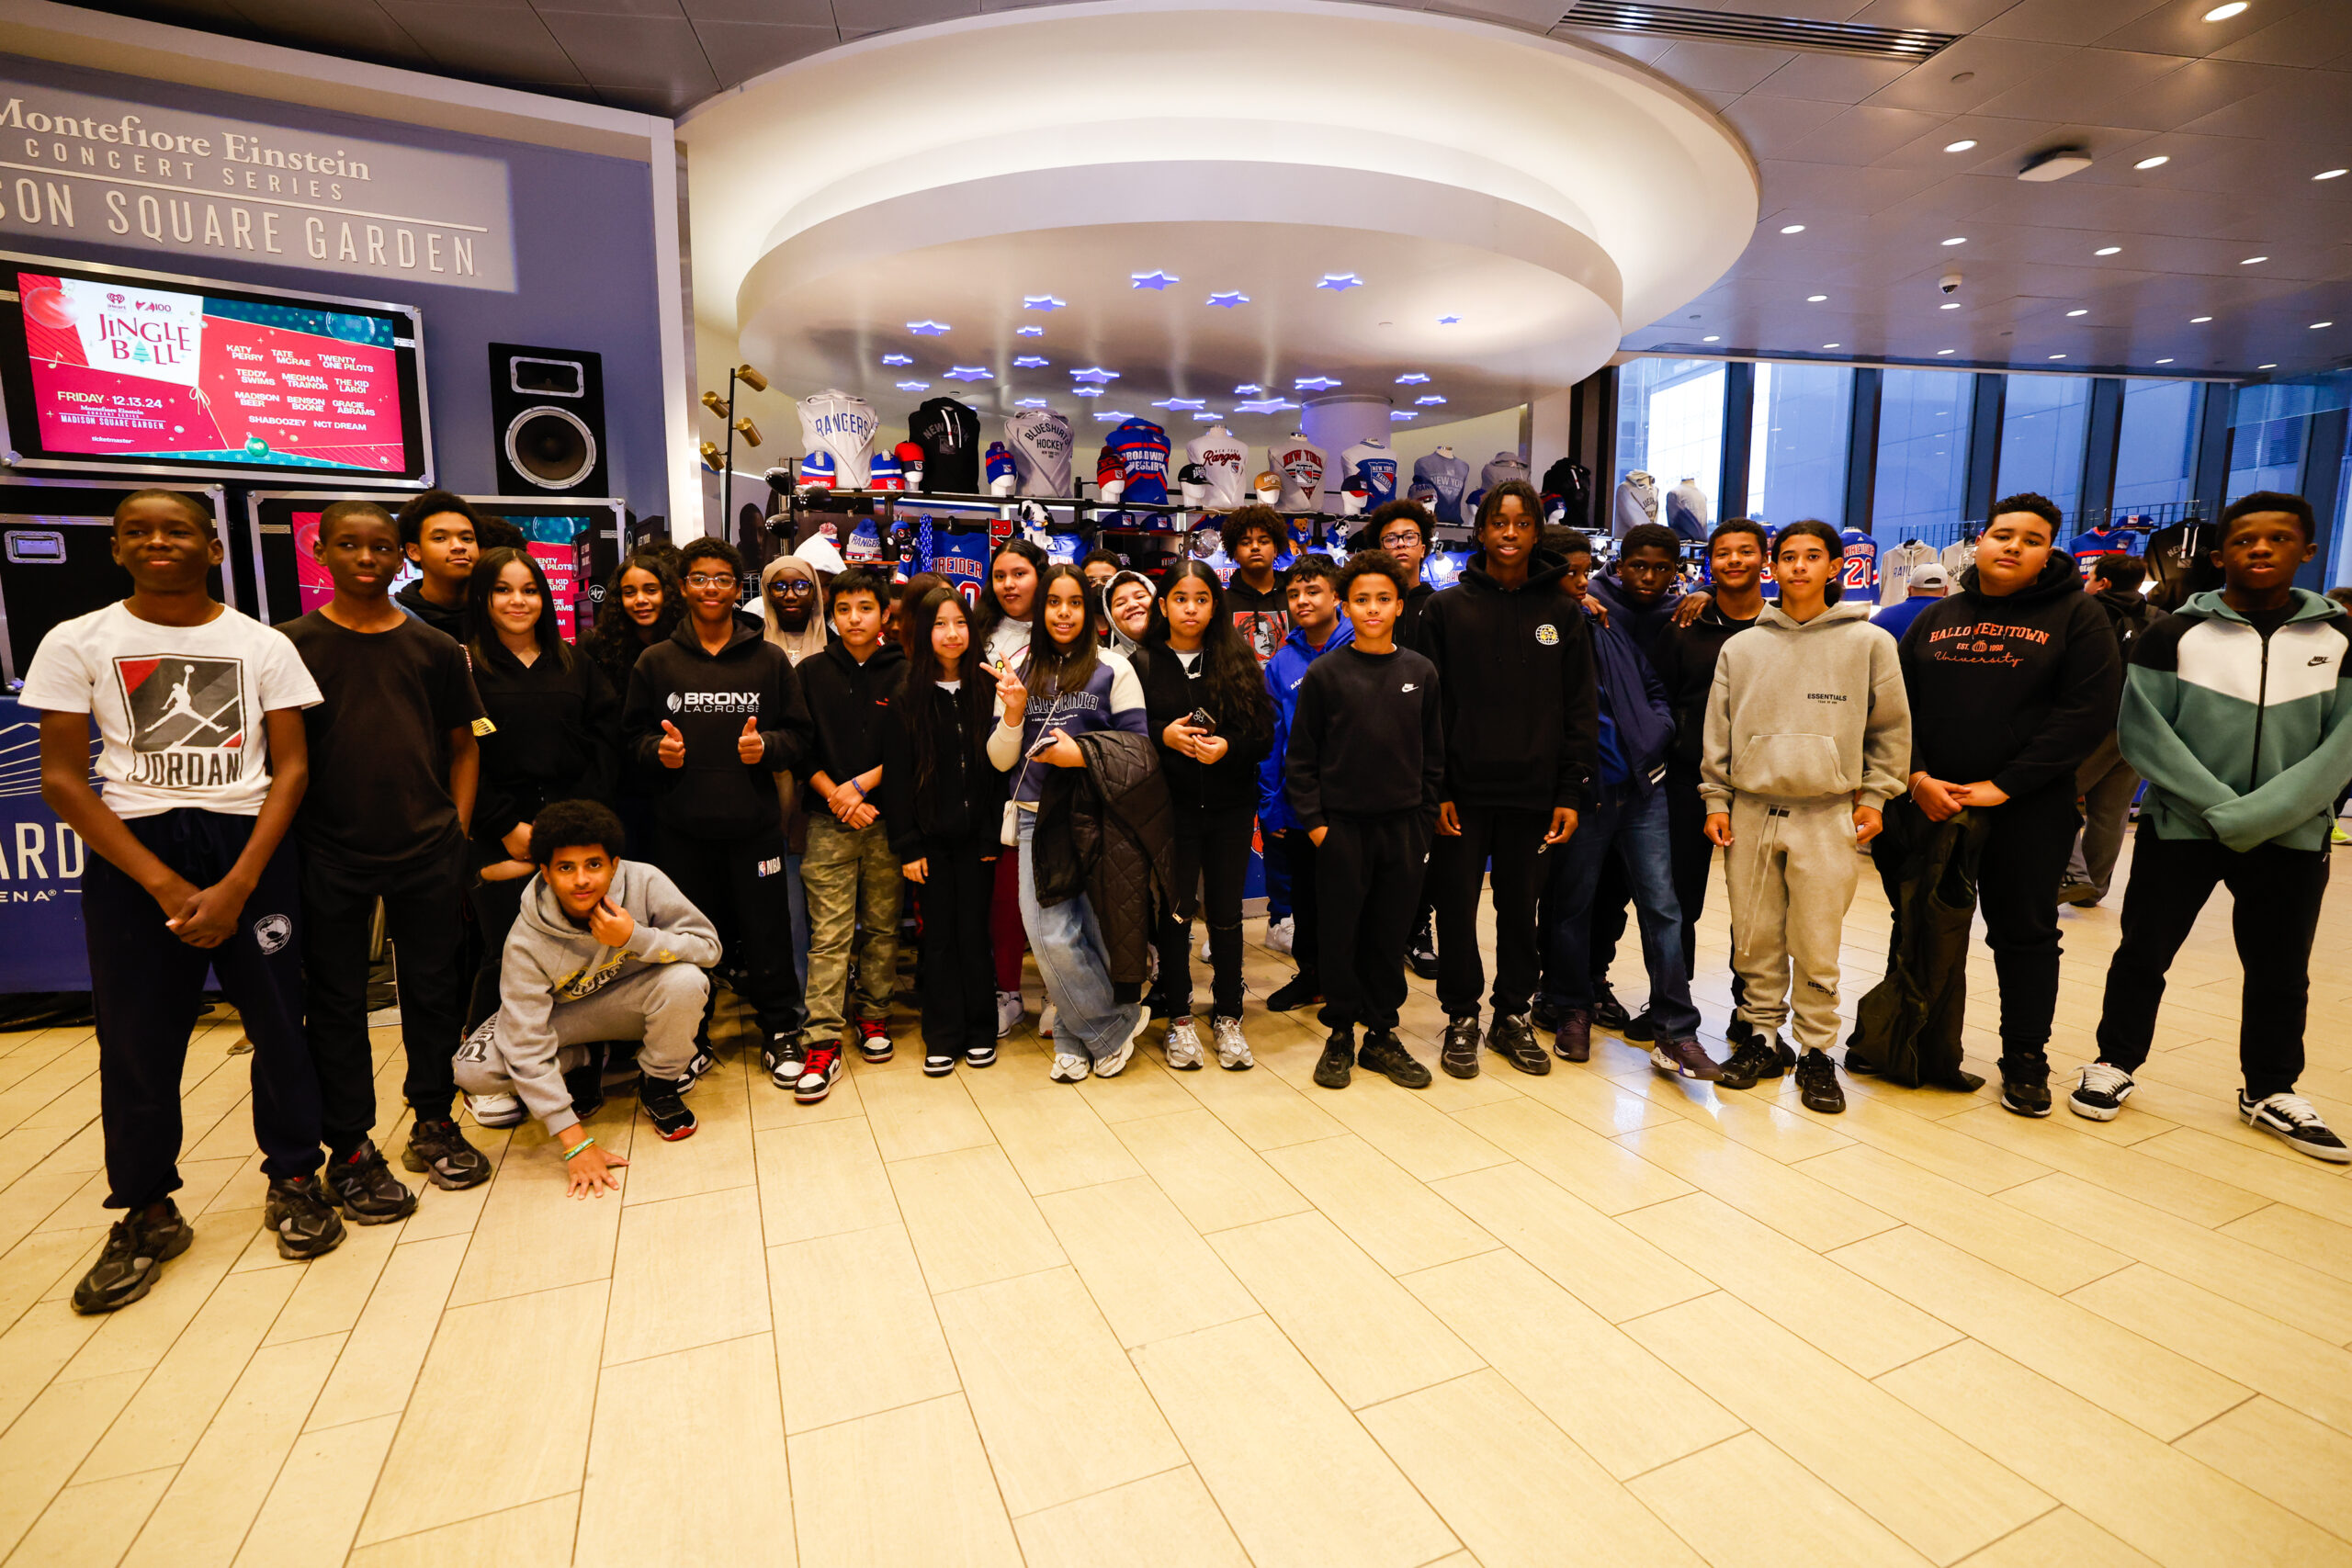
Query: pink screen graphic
{"x": 558, "y": 561}
{"x": 136, "y": 372}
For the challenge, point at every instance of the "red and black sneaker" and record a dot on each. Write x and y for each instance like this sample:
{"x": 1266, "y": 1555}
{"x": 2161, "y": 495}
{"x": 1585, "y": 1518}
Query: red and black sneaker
{"x": 660, "y": 1098}
{"x": 817, "y": 1075}
{"x": 874, "y": 1040}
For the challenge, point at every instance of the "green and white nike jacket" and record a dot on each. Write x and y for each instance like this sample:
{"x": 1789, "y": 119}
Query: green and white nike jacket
{"x": 2242, "y": 738}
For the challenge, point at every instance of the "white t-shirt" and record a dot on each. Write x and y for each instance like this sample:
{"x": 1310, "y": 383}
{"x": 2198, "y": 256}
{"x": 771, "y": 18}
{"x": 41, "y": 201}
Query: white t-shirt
{"x": 178, "y": 707}
{"x": 1226, "y": 463}
{"x": 1302, "y": 467}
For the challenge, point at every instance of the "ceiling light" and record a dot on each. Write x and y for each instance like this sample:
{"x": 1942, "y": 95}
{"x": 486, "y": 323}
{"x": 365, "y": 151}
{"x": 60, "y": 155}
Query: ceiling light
{"x": 2163, "y": 362}
{"x": 1943, "y": 351}
{"x": 1265, "y": 405}
{"x": 1402, "y": 414}
{"x": 2329, "y": 174}
{"x": 898, "y": 359}
{"x": 1712, "y": 338}
{"x": 2316, "y": 325}
{"x": 2251, "y": 260}
{"x": 1029, "y": 332}
{"x": 1030, "y": 362}
{"x": 1094, "y": 373}
{"x": 2054, "y": 164}
{"x": 1086, "y": 392}
{"x": 971, "y": 373}
{"x": 1229, "y": 299}
{"x": 2198, "y": 320}
{"x": 1793, "y": 229}
{"x": 1186, "y": 404}
{"x": 1814, "y": 299}
{"x": 2223, "y": 12}
{"x": 1112, "y": 416}
{"x": 1409, "y": 379}
{"x": 1042, "y": 302}
{"x": 1030, "y": 404}
{"x": 1962, "y": 145}
{"x": 1957, "y": 240}
{"x": 1154, "y": 280}
{"x": 1449, "y": 321}
{"x": 1954, "y": 305}
{"x": 2107, "y": 251}
{"x": 1341, "y": 282}
{"x": 927, "y": 329}
{"x": 1313, "y": 383}
{"x": 2078, "y": 312}
{"x": 1829, "y": 345}
{"x": 1428, "y": 400}
{"x": 2057, "y": 356}
{"x": 2158, "y": 162}
{"x": 915, "y": 385}
{"x": 2270, "y": 367}
{"x": 1248, "y": 389}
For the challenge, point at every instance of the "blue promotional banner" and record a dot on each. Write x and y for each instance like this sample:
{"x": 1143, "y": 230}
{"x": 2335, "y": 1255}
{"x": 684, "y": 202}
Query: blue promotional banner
{"x": 40, "y": 870}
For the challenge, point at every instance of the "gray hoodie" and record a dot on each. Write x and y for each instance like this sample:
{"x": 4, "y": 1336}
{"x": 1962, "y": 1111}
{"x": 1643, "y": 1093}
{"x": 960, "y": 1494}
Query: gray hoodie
{"x": 1807, "y": 712}
{"x": 549, "y": 959}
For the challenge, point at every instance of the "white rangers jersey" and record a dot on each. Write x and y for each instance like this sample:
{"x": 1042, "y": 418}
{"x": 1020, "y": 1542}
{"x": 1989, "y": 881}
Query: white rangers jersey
{"x": 1041, "y": 444}
{"x": 835, "y": 423}
{"x": 1302, "y": 467}
{"x": 1226, "y": 464}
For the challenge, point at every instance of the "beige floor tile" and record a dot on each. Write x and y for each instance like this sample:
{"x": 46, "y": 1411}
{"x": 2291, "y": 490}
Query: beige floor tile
{"x": 1609, "y": 1175}
{"x": 126, "y": 1340}
{"x": 2060, "y": 1538}
{"x": 1311, "y": 1488}
{"x": 1148, "y": 1270}
{"x": 34, "y": 1266}
{"x": 2165, "y": 1394}
{"x": 907, "y": 1485}
{"x": 1470, "y": 1445}
{"x": 1060, "y": 1410}
{"x": 912, "y": 1115}
{"x": 532, "y": 1235}
{"x": 1052, "y": 1135}
{"x": 717, "y": 1156}
{"x": 773, "y": 1107}
{"x": 1403, "y": 1124}
{"x": 187, "y": 1387}
{"x": 454, "y": 1460}
{"x": 2268, "y": 1166}
{"x": 2288, "y": 1456}
{"x": 1162, "y": 1521}
{"x": 821, "y": 1178}
{"x": 331, "y": 1291}
{"x": 970, "y": 1218}
{"x": 1263, "y": 1111}
{"x": 1603, "y": 1264}
{"x": 713, "y": 1401}
{"x": 712, "y": 1238}
{"x": 2055, "y": 1259}
{"x": 1147, "y": 1088}
{"x": 91, "y": 1524}
{"x": 41, "y": 1452}
{"x": 379, "y": 1362}
{"x": 2063, "y": 1146}
{"x": 1626, "y": 1406}
{"x": 2273, "y": 1358}
{"x": 1940, "y": 1147}
{"x": 2150, "y": 1495}
{"x": 536, "y": 1532}
{"x": 1596, "y": 1103}
{"x": 1764, "y": 1124}
{"x": 1759, "y": 1185}
{"x": 45, "y": 1339}
{"x": 862, "y": 1296}
{"x": 1211, "y": 1176}
{"x": 1790, "y": 1284}
{"x": 1744, "y": 1504}
{"x": 313, "y": 1507}
{"x": 1844, "y": 1428}
{"x": 2292, "y": 1232}
{"x": 1401, "y": 1222}
{"x": 1368, "y": 1336}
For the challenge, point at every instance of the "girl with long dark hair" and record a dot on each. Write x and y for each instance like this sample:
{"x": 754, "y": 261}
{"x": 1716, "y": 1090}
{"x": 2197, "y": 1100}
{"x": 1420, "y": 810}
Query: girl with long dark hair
{"x": 1001, "y": 628}
{"x": 1196, "y": 663}
{"x": 643, "y": 604}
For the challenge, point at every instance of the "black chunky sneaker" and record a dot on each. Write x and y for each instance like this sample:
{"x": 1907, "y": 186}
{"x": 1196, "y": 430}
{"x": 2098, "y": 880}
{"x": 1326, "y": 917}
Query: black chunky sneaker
{"x": 2025, "y": 1089}
{"x": 1684, "y": 1059}
{"x": 137, "y": 1247}
{"x": 1753, "y": 1060}
{"x": 1335, "y": 1066}
{"x": 439, "y": 1152}
{"x": 1573, "y": 1042}
{"x": 1739, "y": 1031}
{"x": 1544, "y": 1015}
{"x": 1301, "y": 989}
{"x": 1608, "y": 1011}
{"x": 1512, "y": 1038}
{"x": 1459, "y": 1055}
{"x": 1641, "y": 1029}
{"x": 364, "y": 1187}
{"x": 665, "y": 1108}
{"x": 304, "y": 1222}
{"x": 1383, "y": 1052}
{"x": 1818, "y": 1085}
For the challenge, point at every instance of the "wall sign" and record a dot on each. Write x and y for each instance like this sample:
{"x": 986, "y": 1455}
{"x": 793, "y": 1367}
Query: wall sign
{"x": 123, "y": 173}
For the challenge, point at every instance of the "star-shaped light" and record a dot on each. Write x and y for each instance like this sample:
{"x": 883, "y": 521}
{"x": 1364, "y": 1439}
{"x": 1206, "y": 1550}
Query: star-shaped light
{"x": 1428, "y": 400}
{"x": 1095, "y": 374}
{"x": 1402, "y": 414}
{"x": 971, "y": 373}
{"x": 1030, "y": 362}
{"x": 1449, "y": 321}
{"x": 1086, "y": 392}
{"x": 1030, "y": 404}
{"x": 1029, "y": 331}
{"x": 1265, "y": 405}
{"x": 1229, "y": 299}
{"x": 1413, "y": 378}
{"x": 1206, "y": 416}
{"x": 1248, "y": 389}
{"x": 1112, "y": 416}
{"x": 1154, "y": 280}
{"x": 1341, "y": 282}
{"x": 1186, "y": 403}
{"x": 927, "y": 328}
{"x": 915, "y": 385}
{"x": 1042, "y": 302}
{"x": 1313, "y": 383}
{"x": 898, "y": 359}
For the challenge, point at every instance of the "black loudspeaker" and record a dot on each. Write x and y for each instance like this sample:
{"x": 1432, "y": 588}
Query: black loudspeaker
{"x": 546, "y": 408}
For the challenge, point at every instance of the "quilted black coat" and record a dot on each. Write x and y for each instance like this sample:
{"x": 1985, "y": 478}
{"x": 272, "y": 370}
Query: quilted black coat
{"x": 1105, "y": 830}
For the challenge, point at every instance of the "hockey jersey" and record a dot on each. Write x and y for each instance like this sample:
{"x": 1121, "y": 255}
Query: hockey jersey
{"x": 1042, "y": 444}
{"x": 1686, "y": 510}
{"x": 1225, "y": 464}
{"x": 1894, "y": 570}
{"x": 1304, "y": 467}
{"x": 2094, "y": 543}
{"x": 1136, "y": 453}
{"x": 1503, "y": 466}
{"x": 949, "y": 434}
{"x": 1372, "y": 466}
{"x": 1448, "y": 477}
{"x": 1859, "y": 572}
{"x": 842, "y": 427}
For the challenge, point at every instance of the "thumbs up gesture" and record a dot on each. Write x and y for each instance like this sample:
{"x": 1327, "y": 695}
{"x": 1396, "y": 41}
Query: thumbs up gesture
{"x": 749, "y": 745}
{"x": 673, "y": 751}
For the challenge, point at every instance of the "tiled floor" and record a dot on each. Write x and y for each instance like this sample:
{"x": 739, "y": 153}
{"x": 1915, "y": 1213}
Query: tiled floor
{"x": 1598, "y": 1316}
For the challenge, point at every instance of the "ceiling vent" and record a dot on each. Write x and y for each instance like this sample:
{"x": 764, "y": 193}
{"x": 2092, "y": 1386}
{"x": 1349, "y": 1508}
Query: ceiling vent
{"x": 1764, "y": 32}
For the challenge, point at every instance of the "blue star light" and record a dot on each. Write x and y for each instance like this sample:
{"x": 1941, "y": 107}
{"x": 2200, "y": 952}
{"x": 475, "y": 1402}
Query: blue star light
{"x": 915, "y": 385}
{"x": 927, "y": 328}
{"x": 1449, "y": 321}
{"x": 1030, "y": 362}
{"x": 1229, "y": 299}
{"x": 1402, "y": 414}
{"x": 1042, "y": 302}
{"x": 1029, "y": 331}
{"x": 1428, "y": 400}
{"x": 1265, "y": 405}
{"x": 1313, "y": 383}
{"x": 1248, "y": 389}
{"x": 1206, "y": 416}
{"x": 1341, "y": 282}
{"x": 1181, "y": 403}
{"x": 1030, "y": 404}
{"x": 1154, "y": 280}
{"x": 1094, "y": 373}
{"x": 1413, "y": 378}
{"x": 898, "y": 359}
{"x": 1086, "y": 392}
{"x": 971, "y": 373}
{"x": 1112, "y": 416}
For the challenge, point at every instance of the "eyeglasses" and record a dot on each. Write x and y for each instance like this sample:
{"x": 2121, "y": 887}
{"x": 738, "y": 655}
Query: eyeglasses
{"x": 711, "y": 580}
{"x": 1400, "y": 541}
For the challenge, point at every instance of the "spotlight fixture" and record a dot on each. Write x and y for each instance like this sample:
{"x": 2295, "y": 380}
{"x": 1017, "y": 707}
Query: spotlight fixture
{"x": 747, "y": 431}
{"x": 711, "y": 459}
{"x": 1793, "y": 229}
{"x": 1155, "y": 280}
{"x": 2158, "y": 162}
{"x": 2109, "y": 250}
{"x": 2223, "y": 12}
{"x": 1966, "y": 143}
{"x": 751, "y": 378}
{"x": 715, "y": 403}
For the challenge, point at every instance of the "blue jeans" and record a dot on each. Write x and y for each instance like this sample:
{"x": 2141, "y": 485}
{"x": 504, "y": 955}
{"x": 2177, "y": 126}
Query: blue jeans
{"x": 1068, "y": 943}
{"x": 1636, "y": 828}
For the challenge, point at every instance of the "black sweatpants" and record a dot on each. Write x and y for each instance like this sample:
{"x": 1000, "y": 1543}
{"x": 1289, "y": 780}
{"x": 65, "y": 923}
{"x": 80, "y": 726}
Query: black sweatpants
{"x": 742, "y": 884}
{"x": 958, "y": 963}
{"x": 1510, "y": 839}
{"x": 2277, "y": 893}
{"x": 1306, "y": 902}
{"x": 1368, "y": 874}
{"x": 147, "y": 987}
{"x": 496, "y": 906}
{"x": 1211, "y": 854}
{"x": 423, "y": 915}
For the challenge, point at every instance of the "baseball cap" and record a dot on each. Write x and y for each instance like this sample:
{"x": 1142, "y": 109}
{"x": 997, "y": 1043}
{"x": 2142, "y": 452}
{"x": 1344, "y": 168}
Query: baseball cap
{"x": 1929, "y": 577}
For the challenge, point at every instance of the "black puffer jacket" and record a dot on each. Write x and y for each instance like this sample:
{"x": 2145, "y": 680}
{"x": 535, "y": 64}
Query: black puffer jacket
{"x": 1106, "y": 830}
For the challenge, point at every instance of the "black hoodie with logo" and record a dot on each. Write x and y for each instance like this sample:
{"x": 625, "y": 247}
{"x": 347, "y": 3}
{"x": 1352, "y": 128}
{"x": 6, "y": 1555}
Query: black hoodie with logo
{"x": 2018, "y": 689}
{"x": 1515, "y": 685}
{"x": 709, "y": 696}
{"x": 850, "y": 704}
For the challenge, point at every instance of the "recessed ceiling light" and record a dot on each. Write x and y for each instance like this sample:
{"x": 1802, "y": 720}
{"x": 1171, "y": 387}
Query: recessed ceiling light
{"x": 1712, "y": 337}
{"x": 2078, "y": 312}
{"x": 2270, "y": 367}
{"x": 1943, "y": 351}
{"x": 2198, "y": 320}
{"x": 2251, "y": 260}
{"x": 2107, "y": 251}
{"x": 2163, "y": 362}
{"x": 2223, "y": 12}
{"x": 1957, "y": 240}
{"x": 1829, "y": 345}
{"x": 1793, "y": 229}
{"x": 2316, "y": 325}
{"x": 2057, "y": 356}
{"x": 1962, "y": 145}
{"x": 1814, "y": 299}
{"x": 2329, "y": 174}
{"x": 1954, "y": 305}
{"x": 2158, "y": 162}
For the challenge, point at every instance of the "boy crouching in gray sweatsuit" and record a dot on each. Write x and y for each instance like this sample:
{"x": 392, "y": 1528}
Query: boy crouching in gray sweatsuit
{"x": 603, "y": 949}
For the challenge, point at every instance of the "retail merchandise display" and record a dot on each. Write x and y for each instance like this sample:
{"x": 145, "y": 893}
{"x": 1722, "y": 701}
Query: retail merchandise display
{"x": 949, "y": 433}
{"x": 1958, "y": 556}
{"x": 1567, "y": 492}
{"x": 2104, "y": 539}
{"x": 1895, "y": 566}
{"x": 1686, "y": 510}
{"x": 838, "y": 426}
{"x": 1041, "y": 443}
{"x": 1302, "y": 465}
{"x": 1223, "y": 463}
{"x": 1859, "y": 574}
{"x": 1136, "y": 456}
{"x": 1636, "y": 503}
{"x": 1504, "y": 466}
{"x": 1448, "y": 477}
{"x": 1371, "y": 465}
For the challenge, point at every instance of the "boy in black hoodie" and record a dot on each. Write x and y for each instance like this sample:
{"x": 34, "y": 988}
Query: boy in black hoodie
{"x": 441, "y": 536}
{"x": 713, "y": 715}
{"x": 2013, "y": 682}
{"x": 848, "y": 872}
{"x": 1522, "y": 740}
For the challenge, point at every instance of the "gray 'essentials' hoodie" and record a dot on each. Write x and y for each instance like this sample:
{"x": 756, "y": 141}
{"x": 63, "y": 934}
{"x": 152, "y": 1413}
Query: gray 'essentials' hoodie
{"x": 549, "y": 959}
{"x": 1807, "y": 711}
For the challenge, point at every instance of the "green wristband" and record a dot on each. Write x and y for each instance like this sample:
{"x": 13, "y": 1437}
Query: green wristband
{"x": 583, "y": 1143}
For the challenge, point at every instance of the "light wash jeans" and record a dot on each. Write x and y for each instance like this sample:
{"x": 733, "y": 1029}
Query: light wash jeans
{"x": 1068, "y": 943}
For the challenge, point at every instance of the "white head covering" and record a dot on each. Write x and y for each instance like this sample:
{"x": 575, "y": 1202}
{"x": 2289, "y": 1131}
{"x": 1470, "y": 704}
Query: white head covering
{"x": 811, "y": 639}
{"x": 1119, "y": 640}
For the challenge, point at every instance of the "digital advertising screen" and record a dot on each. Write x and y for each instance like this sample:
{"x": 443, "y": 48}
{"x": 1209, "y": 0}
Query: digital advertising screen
{"x": 111, "y": 368}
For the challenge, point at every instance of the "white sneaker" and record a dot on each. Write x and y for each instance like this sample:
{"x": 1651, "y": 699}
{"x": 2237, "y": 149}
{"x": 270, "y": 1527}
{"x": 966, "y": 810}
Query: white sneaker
{"x": 2102, "y": 1091}
{"x": 1009, "y": 1012}
{"x": 1183, "y": 1045}
{"x": 1112, "y": 1066}
{"x": 496, "y": 1110}
{"x": 1232, "y": 1051}
{"x": 2291, "y": 1119}
{"x": 1278, "y": 934}
{"x": 1069, "y": 1066}
{"x": 1045, "y": 1021}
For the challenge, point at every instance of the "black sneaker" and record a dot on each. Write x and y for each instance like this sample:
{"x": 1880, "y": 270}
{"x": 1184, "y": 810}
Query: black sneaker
{"x": 937, "y": 1064}
{"x": 305, "y": 1223}
{"x": 1608, "y": 1011}
{"x": 2025, "y": 1090}
{"x": 784, "y": 1060}
{"x": 2102, "y": 1091}
{"x": 364, "y": 1186}
{"x": 1574, "y": 1040}
{"x": 1685, "y": 1059}
{"x": 1384, "y": 1053}
{"x": 1161, "y": 1004}
{"x": 1422, "y": 953}
{"x": 1739, "y": 1031}
{"x": 1459, "y": 1055}
{"x": 981, "y": 1056}
{"x": 1818, "y": 1087}
{"x": 1756, "y": 1060}
{"x": 2291, "y": 1119}
{"x": 660, "y": 1098}
{"x": 1544, "y": 1015}
{"x": 586, "y": 1083}
{"x": 136, "y": 1250}
{"x": 1640, "y": 1029}
{"x": 1302, "y": 989}
{"x": 439, "y": 1152}
{"x": 1512, "y": 1038}
{"x": 1333, "y": 1068}
{"x": 704, "y": 1060}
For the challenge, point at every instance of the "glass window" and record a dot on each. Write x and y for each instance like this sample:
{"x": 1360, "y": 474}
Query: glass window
{"x": 2155, "y": 454}
{"x": 1796, "y": 454}
{"x": 1923, "y": 419}
{"x": 2042, "y": 429}
{"x": 1670, "y": 420}
{"x": 2268, "y": 430}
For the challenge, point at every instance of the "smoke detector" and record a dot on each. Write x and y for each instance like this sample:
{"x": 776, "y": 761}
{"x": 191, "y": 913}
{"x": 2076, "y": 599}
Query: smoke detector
{"x": 2054, "y": 164}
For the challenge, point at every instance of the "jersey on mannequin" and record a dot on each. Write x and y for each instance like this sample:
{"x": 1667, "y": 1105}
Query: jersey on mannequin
{"x": 1371, "y": 465}
{"x": 836, "y": 425}
{"x": 1304, "y": 467}
{"x": 1042, "y": 444}
{"x": 1448, "y": 477}
{"x": 1224, "y": 462}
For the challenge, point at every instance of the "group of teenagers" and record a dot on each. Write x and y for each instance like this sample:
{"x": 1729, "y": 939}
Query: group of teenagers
{"x": 566, "y": 840}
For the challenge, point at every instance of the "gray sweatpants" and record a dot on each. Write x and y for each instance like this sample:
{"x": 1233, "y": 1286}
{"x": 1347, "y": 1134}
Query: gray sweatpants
{"x": 1792, "y": 868}
{"x": 661, "y": 1004}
